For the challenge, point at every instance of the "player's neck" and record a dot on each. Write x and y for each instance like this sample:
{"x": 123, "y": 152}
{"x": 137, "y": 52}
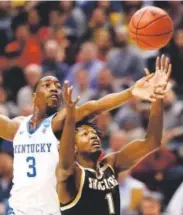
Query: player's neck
{"x": 37, "y": 118}
{"x": 87, "y": 163}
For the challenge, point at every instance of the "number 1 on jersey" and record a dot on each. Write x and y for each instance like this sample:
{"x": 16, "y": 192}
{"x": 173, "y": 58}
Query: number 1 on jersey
{"x": 110, "y": 202}
{"x": 32, "y": 166}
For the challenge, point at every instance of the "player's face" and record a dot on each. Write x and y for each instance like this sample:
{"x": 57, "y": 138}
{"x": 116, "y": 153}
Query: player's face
{"x": 49, "y": 92}
{"x": 87, "y": 140}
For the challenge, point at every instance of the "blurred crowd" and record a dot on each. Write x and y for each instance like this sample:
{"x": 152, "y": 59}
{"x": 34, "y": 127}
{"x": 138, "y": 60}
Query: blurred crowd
{"x": 87, "y": 43}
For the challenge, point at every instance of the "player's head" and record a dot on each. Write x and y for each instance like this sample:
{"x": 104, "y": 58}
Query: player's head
{"x": 47, "y": 94}
{"x": 88, "y": 140}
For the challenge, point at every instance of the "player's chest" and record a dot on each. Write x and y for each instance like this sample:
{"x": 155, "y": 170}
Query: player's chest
{"x": 104, "y": 182}
{"x": 35, "y": 144}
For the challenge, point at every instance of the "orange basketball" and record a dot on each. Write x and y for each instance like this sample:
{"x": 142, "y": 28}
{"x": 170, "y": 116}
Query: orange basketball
{"x": 151, "y": 28}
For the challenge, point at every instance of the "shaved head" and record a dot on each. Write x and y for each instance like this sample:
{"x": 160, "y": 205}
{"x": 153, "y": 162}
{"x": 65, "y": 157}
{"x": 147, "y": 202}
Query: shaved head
{"x": 47, "y": 94}
{"x": 46, "y": 78}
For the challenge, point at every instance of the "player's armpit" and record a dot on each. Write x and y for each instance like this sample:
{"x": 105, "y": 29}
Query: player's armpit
{"x": 9, "y": 127}
{"x": 129, "y": 156}
{"x": 68, "y": 185}
{"x": 63, "y": 174}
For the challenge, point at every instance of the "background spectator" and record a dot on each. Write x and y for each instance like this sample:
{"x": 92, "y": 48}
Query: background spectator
{"x": 33, "y": 73}
{"x": 151, "y": 204}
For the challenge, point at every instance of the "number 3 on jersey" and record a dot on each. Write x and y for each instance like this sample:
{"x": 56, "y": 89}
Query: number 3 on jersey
{"x": 32, "y": 166}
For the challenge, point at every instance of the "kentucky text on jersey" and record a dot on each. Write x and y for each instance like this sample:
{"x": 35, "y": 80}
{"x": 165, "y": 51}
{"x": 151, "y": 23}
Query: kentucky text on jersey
{"x": 105, "y": 184}
{"x": 32, "y": 148}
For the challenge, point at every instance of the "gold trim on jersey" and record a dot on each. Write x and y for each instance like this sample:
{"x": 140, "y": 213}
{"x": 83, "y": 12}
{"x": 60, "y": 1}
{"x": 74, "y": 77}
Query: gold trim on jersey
{"x": 78, "y": 196}
{"x": 89, "y": 169}
{"x": 111, "y": 168}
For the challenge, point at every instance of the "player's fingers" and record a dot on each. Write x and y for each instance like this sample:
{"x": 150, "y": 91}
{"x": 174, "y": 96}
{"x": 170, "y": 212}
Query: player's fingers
{"x": 66, "y": 84}
{"x": 169, "y": 71}
{"x": 164, "y": 92}
{"x": 160, "y": 92}
{"x": 146, "y": 78}
{"x": 158, "y": 63}
{"x": 160, "y": 86}
{"x": 65, "y": 89}
{"x": 152, "y": 98}
{"x": 70, "y": 94}
{"x": 146, "y": 71}
{"x": 158, "y": 96}
{"x": 166, "y": 64}
{"x": 77, "y": 100}
{"x": 162, "y": 62}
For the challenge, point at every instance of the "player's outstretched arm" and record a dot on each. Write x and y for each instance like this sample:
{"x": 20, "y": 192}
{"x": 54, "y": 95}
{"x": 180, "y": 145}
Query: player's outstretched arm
{"x": 93, "y": 107}
{"x": 135, "y": 151}
{"x": 66, "y": 165}
{"x": 67, "y": 141}
{"x": 109, "y": 102}
{"x": 143, "y": 89}
{"x": 9, "y": 127}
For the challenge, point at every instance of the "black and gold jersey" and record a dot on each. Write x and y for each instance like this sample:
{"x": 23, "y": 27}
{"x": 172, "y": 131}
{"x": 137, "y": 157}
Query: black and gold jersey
{"x": 98, "y": 194}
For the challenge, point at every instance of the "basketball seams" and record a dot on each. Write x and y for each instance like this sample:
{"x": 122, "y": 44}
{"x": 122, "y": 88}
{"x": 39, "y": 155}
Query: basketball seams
{"x": 142, "y": 41}
{"x": 138, "y": 25}
{"x": 151, "y": 28}
{"x": 152, "y": 35}
{"x": 158, "y": 18}
{"x": 133, "y": 23}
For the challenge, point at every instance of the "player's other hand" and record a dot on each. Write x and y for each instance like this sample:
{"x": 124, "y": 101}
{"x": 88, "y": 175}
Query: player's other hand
{"x": 141, "y": 89}
{"x": 70, "y": 104}
{"x": 162, "y": 72}
{"x": 154, "y": 86}
{"x": 161, "y": 76}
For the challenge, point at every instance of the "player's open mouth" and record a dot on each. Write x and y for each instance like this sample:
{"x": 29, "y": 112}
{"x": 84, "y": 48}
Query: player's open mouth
{"x": 54, "y": 97}
{"x": 96, "y": 143}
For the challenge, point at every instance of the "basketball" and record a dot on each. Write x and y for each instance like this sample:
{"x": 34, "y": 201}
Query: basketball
{"x": 151, "y": 28}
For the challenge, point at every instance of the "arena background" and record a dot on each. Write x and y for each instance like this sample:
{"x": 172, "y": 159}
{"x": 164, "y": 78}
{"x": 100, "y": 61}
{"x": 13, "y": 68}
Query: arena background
{"x": 88, "y": 44}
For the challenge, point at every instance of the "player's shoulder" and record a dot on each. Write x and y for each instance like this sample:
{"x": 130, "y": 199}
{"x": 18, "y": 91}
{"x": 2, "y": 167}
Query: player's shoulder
{"x": 105, "y": 166}
{"x": 15, "y": 122}
{"x": 18, "y": 119}
{"x": 58, "y": 120}
{"x": 12, "y": 126}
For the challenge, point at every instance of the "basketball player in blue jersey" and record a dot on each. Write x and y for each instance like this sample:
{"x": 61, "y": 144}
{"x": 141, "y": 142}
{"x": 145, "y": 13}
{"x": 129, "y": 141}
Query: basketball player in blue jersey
{"x": 87, "y": 186}
{"x": 36, "y": 147}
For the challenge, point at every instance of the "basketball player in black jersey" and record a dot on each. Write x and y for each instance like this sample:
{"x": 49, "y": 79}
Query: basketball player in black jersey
{"x": 87, "y": 186}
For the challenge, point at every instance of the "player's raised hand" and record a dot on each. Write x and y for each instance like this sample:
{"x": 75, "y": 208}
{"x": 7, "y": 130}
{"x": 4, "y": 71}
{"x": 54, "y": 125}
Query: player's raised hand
{"x": 154, "y": 86}
{"x": 143, "y": 90}
{"x": 67, "y": 95}
{"x": 161, "y": 76}
{"x": 162, "y": 71}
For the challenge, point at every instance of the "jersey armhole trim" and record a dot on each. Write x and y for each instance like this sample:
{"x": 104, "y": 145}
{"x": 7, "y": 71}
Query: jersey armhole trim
{"x": 111, "y": 168}
{"x": 78, "y": 196}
